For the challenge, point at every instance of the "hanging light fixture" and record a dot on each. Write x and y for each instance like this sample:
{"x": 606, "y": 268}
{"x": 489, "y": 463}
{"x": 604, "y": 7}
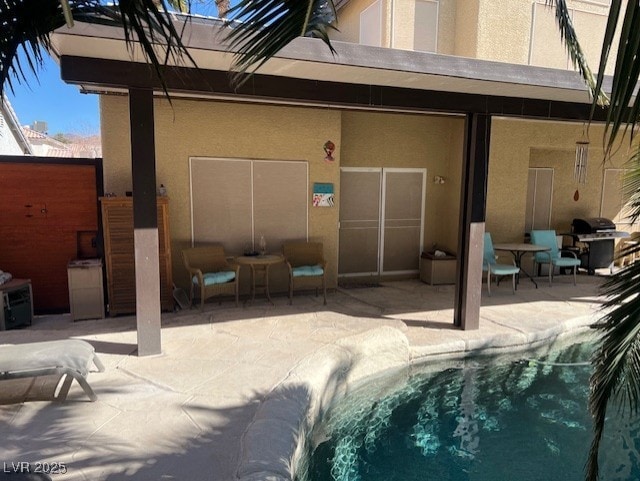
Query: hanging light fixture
{"x": 582, "y": 158}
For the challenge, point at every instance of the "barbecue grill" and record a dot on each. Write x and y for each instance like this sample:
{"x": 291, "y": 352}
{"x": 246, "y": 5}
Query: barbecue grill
{"x": 595, "y": 238}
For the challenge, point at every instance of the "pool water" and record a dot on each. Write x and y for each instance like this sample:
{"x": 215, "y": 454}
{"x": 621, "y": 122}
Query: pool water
{"x": 521, "y": 420}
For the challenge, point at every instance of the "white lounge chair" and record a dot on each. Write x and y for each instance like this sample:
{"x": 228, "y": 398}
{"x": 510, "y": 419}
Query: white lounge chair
{"x": 45, "y": 370}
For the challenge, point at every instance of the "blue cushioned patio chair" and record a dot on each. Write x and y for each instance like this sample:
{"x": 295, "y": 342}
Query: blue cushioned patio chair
{"x": 307, "y": 267}
{"x": 553, "y": 256}
{"x": 210, "y": 273}
{"x": 491, "y": 266}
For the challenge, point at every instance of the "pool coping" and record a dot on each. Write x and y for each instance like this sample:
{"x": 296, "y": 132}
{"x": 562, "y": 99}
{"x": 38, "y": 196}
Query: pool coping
{"x": 275, "y": 440}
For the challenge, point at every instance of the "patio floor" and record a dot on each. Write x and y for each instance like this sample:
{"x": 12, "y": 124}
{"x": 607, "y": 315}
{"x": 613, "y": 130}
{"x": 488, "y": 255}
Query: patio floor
{"x": 181, "y": 415}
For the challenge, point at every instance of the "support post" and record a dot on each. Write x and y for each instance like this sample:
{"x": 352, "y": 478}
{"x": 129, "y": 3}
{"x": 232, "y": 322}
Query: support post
{"x": 145, "y": 221}
{"x": 473, "y": 205}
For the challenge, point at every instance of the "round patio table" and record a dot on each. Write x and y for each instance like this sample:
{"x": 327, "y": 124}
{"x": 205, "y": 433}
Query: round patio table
{"x": 260, "y": 268}
{"x": 518, "y": 250}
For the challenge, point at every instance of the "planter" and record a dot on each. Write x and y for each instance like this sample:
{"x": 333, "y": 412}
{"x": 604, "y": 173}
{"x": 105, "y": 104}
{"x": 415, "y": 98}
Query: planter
{"x": 437, "y": 269}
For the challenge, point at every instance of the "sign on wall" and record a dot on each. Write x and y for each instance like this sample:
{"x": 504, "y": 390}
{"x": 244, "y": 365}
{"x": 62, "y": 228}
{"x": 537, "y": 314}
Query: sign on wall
{"x": 323, "y": 195}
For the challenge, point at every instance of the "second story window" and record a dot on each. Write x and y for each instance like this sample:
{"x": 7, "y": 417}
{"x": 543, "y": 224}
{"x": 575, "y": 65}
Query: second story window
{"x": 371, "y": 25}
{"x": 425, "y": 31}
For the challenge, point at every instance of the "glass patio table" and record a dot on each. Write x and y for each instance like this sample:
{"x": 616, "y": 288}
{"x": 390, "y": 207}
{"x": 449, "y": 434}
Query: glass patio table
{"x": 518, "y": 250}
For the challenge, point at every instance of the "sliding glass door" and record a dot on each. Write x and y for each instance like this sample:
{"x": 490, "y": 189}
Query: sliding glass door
{"x": 381, "y": 220}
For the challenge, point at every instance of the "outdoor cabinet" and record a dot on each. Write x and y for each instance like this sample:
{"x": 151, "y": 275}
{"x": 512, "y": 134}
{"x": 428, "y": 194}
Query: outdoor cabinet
{"x": 86, "y": 294}
{"x": 437, "y": 270}
{"x": 117, "y": 224}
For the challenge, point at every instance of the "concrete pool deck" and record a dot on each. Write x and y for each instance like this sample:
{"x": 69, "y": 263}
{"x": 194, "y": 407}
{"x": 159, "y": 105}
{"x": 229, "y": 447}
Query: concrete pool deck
{"x": 182, "y": 415}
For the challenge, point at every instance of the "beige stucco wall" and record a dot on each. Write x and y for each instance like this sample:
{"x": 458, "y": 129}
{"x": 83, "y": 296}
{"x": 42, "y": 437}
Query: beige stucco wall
{"x": 517, "y": 145}
{"x": 218, "y": 129}
{"x": 504, "y": 29}
{"x": 403, "y": 23}
{"x": 466, "y": 28}
{"x": 412, "y": 141}
{"x": 500, "y": 30}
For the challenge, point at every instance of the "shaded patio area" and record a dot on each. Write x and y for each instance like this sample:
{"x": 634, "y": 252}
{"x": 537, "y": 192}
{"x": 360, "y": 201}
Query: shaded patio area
{"x": 181, "y": 415}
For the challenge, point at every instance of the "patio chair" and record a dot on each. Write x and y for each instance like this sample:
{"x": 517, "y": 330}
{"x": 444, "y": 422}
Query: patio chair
{"x": 553, "y": 256}
{"x": 307, "y": 267}
{"x": 210, "y": 273}
{"x": 38, "y": 371}
{"x": 629, "y": 249}
{"x": 491, "y": 266}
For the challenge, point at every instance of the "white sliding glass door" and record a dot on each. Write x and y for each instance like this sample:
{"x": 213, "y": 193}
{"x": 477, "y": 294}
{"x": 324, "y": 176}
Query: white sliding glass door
{"x": 381, "y": 220}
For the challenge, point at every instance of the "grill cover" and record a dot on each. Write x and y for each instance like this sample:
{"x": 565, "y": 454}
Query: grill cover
{"x": 592, "y": 225}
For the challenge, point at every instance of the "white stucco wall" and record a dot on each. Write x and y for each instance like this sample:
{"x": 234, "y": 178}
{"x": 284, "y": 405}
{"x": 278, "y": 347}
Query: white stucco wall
{"x": 8, "y": 143}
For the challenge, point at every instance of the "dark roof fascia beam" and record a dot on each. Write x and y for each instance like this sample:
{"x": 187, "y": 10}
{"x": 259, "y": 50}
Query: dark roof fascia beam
{"x": 115, "y": 74}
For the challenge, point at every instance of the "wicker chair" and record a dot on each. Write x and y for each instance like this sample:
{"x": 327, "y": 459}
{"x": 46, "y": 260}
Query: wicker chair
{"x": 210, "y": 273}
{"x": 307, "y": 267}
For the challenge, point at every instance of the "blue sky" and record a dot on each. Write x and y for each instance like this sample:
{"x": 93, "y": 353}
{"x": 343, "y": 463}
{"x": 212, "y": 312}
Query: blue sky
{"x": 62, "y": 106}
{"x": 48, "y": 98}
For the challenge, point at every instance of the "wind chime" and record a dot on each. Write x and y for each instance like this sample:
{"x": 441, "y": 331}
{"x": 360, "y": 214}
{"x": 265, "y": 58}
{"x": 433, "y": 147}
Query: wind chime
{"x": 580, "y": 164}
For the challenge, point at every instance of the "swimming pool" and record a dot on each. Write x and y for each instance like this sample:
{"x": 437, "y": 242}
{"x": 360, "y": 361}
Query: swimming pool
{"x": 481, "y": 419}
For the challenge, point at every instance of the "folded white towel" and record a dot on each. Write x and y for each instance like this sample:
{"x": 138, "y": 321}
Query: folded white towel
{"x": 5, "y": 277}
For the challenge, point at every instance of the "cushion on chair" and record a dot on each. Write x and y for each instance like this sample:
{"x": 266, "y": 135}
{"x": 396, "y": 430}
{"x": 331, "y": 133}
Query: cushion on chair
{"x": 504, "y": 269}
{"x": 307, "y": 271}
{"x": 211, "y": 278}
{"x": 566, "y": 262}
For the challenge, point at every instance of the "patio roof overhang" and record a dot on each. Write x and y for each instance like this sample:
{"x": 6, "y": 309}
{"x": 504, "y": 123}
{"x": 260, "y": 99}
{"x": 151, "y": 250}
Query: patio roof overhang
{"x": 97, "y": 58}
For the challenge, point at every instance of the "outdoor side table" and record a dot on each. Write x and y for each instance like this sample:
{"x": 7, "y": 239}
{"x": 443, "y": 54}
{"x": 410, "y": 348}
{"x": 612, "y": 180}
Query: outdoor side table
{"x": 518, "y": 250}
{"x": 259, "y": 266}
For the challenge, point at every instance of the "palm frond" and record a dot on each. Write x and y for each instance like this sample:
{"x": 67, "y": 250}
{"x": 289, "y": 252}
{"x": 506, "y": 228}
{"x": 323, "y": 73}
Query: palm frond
{"x": 261, "y": 28}
{"x": 631, "y": 186}
{"x": 616, "y": 362}
{"x": 145, "y": 21}
{"x": 29, "y": 33}
{"x": 568, "y": 36}
{"x": 627, "y": 70}
{"x": 151, "y": 25}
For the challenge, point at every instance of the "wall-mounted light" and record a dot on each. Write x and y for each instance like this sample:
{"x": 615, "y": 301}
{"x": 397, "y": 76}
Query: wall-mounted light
{"x": 438, "y": 179}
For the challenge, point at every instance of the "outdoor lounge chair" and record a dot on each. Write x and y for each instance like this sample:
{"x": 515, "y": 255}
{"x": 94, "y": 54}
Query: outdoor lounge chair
{"x": 491, "y": 266}
{"x": 307, "y": 267}
{"x": 210, "y": 272}
{"x": 553, "y": 256}
{"x": 39, "y": 371}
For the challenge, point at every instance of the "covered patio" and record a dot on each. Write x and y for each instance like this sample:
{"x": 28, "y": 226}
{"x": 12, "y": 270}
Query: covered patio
{"x": 476, "y": 96}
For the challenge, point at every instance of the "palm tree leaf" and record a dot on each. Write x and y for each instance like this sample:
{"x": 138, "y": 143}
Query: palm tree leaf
{"x": 616, "y": 362}
{"x": 612, "y": 22}
{"x": 568, "y": 36}
{"x": 145, "y": 21}
{"x": 616, "y": 371}
{"x": 625, "y": 76}
{"x": 631, "y": 187}
{"x": 261, "y": 28}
